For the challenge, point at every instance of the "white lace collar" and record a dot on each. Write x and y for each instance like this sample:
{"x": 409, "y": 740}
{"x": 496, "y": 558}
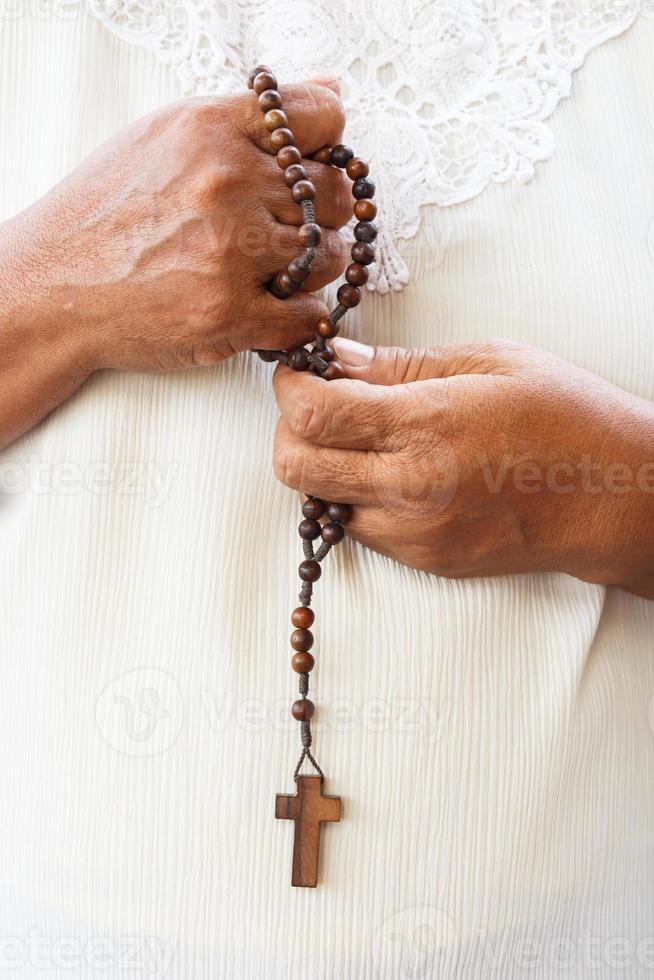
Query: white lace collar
{"x": 442, "y": 96}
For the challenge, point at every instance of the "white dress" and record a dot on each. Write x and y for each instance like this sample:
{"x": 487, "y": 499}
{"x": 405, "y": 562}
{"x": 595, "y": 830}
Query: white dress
{"x": 492, "y": 739}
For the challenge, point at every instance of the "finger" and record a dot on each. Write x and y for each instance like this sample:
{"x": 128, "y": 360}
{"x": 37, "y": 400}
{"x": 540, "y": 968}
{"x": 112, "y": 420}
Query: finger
{"x": 332, "y": 474}
{"x": 333, "y": 201}
{"x": 371, "y": 527}
{"x": 342, "y": 414}
{"x": 328, "y": 81}
{"x": 283, "y": 246}
{"x": 283, "y": 323}
{"x": 398, "y": 365}
{"x": 315, "y": 116}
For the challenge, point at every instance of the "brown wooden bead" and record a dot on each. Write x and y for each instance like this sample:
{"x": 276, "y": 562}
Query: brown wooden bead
{"x": 303, "y": 617}
{"x": 356, "y": 167}
{"x": 332, "y": 372}
{"x": 264, "y": 80}
{"x": 313, "y": 508}
{"x": 287, "y": 282}
{"x": 274, "y": 119}
{"x": 304, "y": 190}
{"x": 332, "y": 533}
{"x": 298, "y": 359}
{"x": 282, "y": 137}
{"x": 289, "y": 155}
{"x": 294, "y": 173}
{"x": 363, "y": 253}
{"x": 310, "y": 570}
{"x": 302, "y": 663}
{"x": 298, "y": 270}
{"x": 270, "y": 99}
{"x": 363, "y": 187}
{"x": 348, "y": 296}
{"x": 268, "y": 356}
{"x": 326, "y": 328}
{"x": 257, "y": 71}
{"x": 327, "y": 354}
{"x": 323, "y": 155}
{"x": 341, "y": 154}
{"x": 309, "y": 529}
{"x": 365, "y": 209}
{"x": 356, "y": 274}
{"x": 309, "y": 235}
{"x": 365, "y": 231}
{"x": 302, "y": 640}
{"x": 303, "y": 710}
{"x": 278, "y": 287}
{"x": 340, "y": 513}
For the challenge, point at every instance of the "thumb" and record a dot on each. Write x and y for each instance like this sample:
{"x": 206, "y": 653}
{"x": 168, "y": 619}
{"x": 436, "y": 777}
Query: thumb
{"x": 387, "y": 365}
{"x": 400, "y": 365}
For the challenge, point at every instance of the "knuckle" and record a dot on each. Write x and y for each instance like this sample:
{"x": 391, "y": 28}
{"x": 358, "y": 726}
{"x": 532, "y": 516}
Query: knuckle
{"x": 495, "y": 347}
{"x": 320, "y": 104}
{"x": 308, "y": 418}
{"x": 287, "y": 463}
{"x": 195, "y": 117}
{"x": 426, "y": 358}
{"x": 493, "y": 351}
{"x": 323, "y": 101}
{"x": 333, "y": 195}
{"x": 335, "y": 253}
{"x": 331, "y": 104}
{"x": 215, "y": 183}
{"x": 291, "y": 327}
{"x": 403, "y": 362}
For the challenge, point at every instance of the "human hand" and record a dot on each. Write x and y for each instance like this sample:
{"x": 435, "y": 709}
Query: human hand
{"x": 154, "y": 253}
{"x": 478, "y": 459}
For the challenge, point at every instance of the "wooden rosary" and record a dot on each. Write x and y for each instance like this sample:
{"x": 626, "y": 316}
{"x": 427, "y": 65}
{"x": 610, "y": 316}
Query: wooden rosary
{"x": 309, "y": 808}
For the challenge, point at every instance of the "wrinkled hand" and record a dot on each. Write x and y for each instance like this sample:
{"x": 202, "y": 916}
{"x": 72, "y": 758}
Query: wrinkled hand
{"x": 478, "y": 459}
{"x": 155, "y": 251}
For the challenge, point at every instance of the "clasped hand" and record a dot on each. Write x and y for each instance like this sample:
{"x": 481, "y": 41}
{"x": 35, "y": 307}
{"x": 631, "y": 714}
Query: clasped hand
{"x": 479, "y": 459}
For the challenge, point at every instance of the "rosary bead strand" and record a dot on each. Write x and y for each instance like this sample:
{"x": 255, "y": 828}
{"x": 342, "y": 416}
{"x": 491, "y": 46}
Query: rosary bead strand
{"x": 319, "y": 357}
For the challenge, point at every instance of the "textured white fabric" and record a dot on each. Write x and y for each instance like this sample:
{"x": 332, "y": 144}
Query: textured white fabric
{"x": 492, "y": 740}
{"x": 442, "y": 97}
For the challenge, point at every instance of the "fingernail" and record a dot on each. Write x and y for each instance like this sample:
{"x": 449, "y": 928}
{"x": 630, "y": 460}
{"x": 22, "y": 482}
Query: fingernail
{"x": 352, "y": 352}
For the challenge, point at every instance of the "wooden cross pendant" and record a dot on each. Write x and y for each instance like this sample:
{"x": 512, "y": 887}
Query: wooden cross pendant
{"x": 309, "y": 808}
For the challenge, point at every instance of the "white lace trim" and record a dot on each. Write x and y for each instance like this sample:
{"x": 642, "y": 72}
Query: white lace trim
{"x": 442, "y": 96}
